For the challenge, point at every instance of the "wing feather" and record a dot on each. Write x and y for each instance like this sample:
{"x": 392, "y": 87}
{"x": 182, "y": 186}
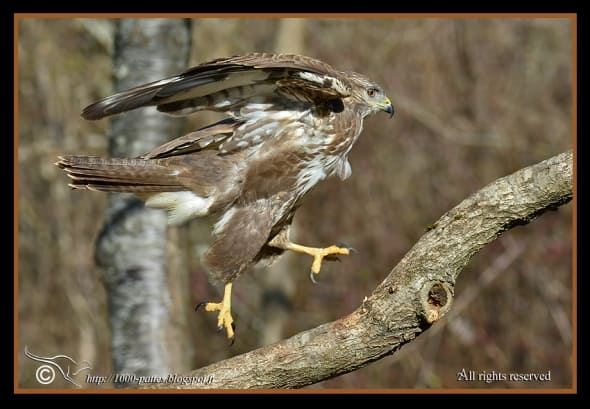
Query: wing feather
{"x": 209, "y": 137}
{"x": 202, "y": 87}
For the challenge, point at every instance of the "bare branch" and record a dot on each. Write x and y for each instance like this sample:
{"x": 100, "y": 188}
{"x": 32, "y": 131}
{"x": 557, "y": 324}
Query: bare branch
{"x": 416, "y": 294}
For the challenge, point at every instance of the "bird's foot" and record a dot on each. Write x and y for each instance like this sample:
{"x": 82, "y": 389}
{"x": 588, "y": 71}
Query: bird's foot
{"x": 319, "y": 254}
{"x": 282, "y": 241}
{"x": 224, "y": 319}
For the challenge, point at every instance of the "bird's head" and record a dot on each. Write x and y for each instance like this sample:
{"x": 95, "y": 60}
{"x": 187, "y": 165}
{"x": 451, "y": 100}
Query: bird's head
{"x": 370, "y": 96}
{"x": 377, "y": 100}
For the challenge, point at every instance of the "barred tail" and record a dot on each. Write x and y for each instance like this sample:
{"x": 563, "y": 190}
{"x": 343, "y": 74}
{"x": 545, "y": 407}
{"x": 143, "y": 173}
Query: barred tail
{"x": 119, "y": 175}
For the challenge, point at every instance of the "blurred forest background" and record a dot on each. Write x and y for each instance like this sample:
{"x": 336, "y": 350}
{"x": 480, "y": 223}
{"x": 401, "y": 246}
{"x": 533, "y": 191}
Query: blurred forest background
{"x": 476, "y": 99}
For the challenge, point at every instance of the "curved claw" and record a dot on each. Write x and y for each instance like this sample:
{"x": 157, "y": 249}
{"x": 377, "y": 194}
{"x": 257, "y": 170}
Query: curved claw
{"x": 344, "y": 246}
{"x": 233, "y": 338}
{"x": 311, "y": 274}
{"x": 199, "y": 305}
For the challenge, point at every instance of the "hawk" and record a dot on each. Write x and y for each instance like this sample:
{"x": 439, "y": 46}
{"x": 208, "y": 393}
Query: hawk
{"x": 291, "y": 123}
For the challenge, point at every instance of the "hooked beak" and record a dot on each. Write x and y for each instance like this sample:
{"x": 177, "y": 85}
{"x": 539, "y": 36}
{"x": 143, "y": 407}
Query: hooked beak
{"x": 388, "y": 107}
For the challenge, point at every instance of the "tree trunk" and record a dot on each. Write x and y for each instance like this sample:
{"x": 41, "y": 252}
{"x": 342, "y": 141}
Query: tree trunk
{"x": 132, "y": 245}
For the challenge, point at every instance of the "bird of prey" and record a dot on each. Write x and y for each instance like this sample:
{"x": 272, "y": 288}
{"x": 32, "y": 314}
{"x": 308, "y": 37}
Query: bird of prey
{"x": 291, "y": 122}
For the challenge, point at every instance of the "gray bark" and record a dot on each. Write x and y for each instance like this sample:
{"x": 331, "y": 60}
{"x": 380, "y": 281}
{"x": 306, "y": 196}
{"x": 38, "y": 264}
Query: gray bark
{"x": 132, "y": 245}
{"x": 414, "y": 296}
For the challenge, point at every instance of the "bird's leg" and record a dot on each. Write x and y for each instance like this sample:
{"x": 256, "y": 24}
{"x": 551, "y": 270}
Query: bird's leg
{"x": 224, "y": 319}
{"x": 282, "y": 241}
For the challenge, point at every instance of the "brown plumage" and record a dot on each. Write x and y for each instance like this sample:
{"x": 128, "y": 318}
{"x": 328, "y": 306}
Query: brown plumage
{"x": 291, "y": 122}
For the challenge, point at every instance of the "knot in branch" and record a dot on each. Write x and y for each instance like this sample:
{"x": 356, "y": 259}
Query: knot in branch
{"x": 436, "y": 298}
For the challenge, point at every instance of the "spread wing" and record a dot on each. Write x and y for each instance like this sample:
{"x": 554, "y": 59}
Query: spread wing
{"x": 229, "y": 84}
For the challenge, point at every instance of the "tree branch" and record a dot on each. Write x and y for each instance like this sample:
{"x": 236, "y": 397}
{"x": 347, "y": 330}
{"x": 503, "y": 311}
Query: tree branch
{"x": 416, "y": 294}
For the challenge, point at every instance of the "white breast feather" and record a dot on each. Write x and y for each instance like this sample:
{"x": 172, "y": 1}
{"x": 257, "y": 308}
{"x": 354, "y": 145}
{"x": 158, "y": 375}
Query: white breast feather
{"x": 343, "y": 169}
{"x": 313, "y": 173}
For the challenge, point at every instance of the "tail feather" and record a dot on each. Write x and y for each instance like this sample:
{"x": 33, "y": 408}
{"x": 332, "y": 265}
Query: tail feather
{"x": 119, "y": 175}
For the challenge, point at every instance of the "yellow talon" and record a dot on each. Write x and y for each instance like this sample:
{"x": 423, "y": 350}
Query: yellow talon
{"x": 282, "y": 241}
{"x": 224, "y": 319}
{"x": 319, "y": 254}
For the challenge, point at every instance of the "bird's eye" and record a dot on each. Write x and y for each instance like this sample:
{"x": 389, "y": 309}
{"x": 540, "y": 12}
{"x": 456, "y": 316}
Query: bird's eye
{"x": 371, "y": 92}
